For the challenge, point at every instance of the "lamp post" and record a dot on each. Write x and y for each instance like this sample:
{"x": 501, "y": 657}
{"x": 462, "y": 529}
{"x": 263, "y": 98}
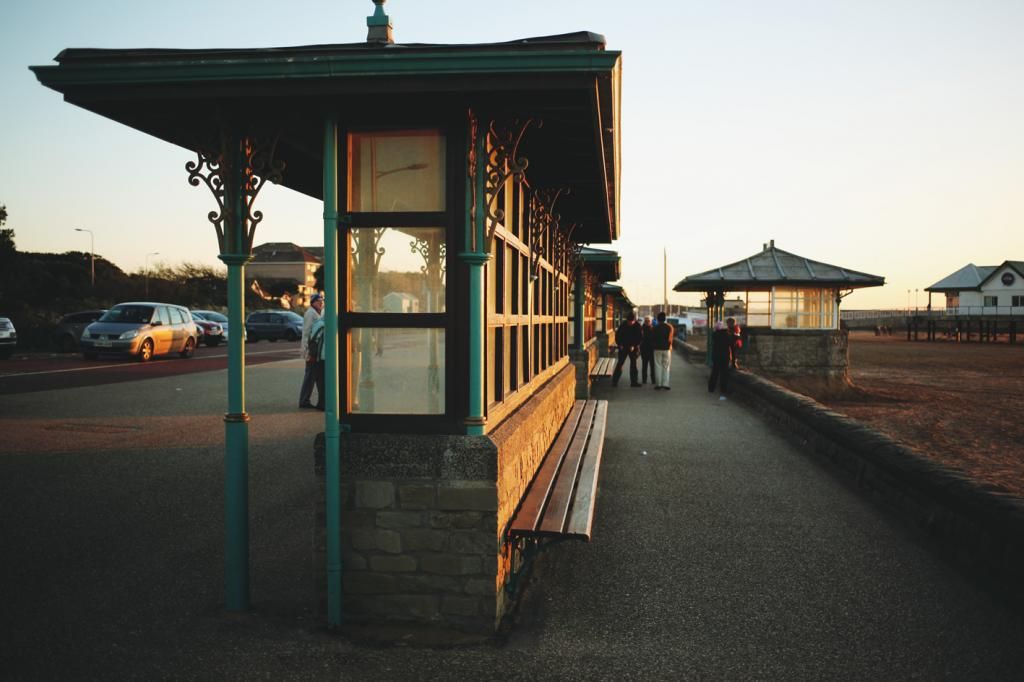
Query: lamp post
{"x": 154, "y": 253}
{"x": 92, "y": 256}
{"x": 908, "y": 301}
{"x": 915, "y": 301}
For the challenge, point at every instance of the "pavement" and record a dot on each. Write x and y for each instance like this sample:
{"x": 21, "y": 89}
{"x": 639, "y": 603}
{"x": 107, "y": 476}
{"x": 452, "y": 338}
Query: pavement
{"x": 720, "y": 552}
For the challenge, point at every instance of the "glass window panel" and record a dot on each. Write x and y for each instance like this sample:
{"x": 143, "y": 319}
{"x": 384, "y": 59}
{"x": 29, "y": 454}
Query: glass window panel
{"x": 397, "y": 171}
{"x": 398, "y": 270}
{"x": 397, "y": 371}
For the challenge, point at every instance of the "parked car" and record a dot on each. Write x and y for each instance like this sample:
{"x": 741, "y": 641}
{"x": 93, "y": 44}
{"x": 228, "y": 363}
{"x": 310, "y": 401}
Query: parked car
{"x": 141, "y": 330}
{"x": 69, "y": 330}
{"x": 219, "y": 318}
{"x": 8, "y": 338}
{"x": 273, "y": 325}
{"x": 211, "y": 332}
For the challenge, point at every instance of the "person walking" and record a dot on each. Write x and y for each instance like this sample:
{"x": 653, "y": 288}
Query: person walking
{"x": 646, "y": 351}
{"x": 661, "y": 351}
{"x": 315, "y": 346}
{"x": 721, "y": 359}
{"x": 313, "y": 313}
{"x": 628, "y": 337}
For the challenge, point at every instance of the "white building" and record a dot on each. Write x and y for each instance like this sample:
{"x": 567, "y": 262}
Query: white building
{"x": 983, "y": 289}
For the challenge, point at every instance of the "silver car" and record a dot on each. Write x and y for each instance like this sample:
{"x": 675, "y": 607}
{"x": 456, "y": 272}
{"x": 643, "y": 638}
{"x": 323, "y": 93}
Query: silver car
{"x": 8, "y": 338}
{"x": 141, "y": 330}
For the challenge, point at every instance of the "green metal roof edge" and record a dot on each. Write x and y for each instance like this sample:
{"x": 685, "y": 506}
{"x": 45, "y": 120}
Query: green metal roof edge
{"x": 282, "y": 66}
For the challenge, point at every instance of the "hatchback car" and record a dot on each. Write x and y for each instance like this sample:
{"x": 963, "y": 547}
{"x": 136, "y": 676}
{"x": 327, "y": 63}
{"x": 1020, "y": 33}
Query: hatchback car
{"x": 273, "y": 325}
{"x": 8, "y": 338}
{"x": 69, "y": 330}
{"x": 219, "y": 318}
{"x": 211, "y": 333}
{"x": 141, "y": 330}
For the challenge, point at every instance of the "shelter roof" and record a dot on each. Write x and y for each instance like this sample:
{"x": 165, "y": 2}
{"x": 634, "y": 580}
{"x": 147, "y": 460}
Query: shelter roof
{"x": 604, "y": 263}
{"x": 617, "y": 292}
{"x": 567, "y": 84}
{"x": 774, "y": 267}
{"x": 966, "y": 278}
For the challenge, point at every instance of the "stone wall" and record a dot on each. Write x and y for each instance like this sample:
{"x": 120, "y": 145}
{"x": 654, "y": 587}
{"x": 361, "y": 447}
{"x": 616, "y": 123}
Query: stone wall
{"x": 423, "y": 517}
{"x": 818, "y": 354}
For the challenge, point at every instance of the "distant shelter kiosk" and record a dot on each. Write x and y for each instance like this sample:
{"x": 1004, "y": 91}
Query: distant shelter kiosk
{"x": 615, "y": 308}
{"x": 595, "y": 267}
{"x": 447, "y": 271}
{"x": 791, "y": 318}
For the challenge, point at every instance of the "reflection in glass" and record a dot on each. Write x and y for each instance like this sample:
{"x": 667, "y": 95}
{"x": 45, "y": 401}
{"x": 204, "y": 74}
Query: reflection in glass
{"x": 397, "y": 371}
{"x": 396, "y": 171}
{"x": 398, "y": 270}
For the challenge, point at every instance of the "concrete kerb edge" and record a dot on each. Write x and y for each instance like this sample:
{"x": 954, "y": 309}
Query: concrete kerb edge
{"x": 981, "y": 530}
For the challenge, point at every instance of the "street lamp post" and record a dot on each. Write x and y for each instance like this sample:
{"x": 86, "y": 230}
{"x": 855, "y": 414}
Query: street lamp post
{"x": 154, "y": 253}
{"x": 92, "y": 256}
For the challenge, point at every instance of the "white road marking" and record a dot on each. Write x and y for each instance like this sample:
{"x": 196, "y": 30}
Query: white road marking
{"x": 129, "y": 364}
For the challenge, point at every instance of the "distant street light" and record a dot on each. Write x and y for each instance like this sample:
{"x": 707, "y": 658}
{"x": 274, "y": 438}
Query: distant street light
{"x": 155, "y": 253}
{"x": 908, "y": 301}
{"x": 92, "y": 256}
{"x": 915, "y": 300}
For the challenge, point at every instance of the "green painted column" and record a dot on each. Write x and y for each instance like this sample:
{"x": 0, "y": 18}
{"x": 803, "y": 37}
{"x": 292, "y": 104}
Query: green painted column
{"x": 236, "y": 442}
{"x": 332, "y": 429}
{"x": 578, "y": 304}
{"x": 475, "y": 256}
{"x": 475, "y": 417}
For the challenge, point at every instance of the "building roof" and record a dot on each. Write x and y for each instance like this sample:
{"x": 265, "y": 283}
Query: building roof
{"x": 971, "y": 277}
{"x": 568, "y": 85}
{"x": 774, "y": 267}
{"x": 605, "y": 264}
{"x": 285, "y": 252}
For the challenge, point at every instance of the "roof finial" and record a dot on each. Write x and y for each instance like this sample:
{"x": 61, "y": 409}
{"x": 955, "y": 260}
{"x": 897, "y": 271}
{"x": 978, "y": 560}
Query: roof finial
{"x": 379, "y": 26}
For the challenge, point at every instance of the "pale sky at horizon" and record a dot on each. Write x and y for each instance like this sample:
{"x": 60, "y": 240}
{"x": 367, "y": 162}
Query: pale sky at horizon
{"x": 882, "y": 137}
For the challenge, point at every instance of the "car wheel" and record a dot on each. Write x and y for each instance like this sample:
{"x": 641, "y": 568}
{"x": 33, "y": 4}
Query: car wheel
{"x": 290, "y": 335}
{"x": 67, "y": 344}
{"x": 146, "y": 351}
{"x": 189, "y": 349}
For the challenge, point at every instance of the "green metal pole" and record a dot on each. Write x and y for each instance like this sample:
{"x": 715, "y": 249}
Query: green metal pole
{"x": 475, "y": 417}
{"x": 476, "y": 256}
{"x": 332, "y": 430}
{"x": 236, "y": 445}
{"x": 578, "y": 301}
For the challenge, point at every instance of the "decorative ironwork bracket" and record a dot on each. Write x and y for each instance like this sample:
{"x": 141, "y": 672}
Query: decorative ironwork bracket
{"x": 544, "y": 223}
{"x": 503, "y": 162}
{"x": 235, "y": 168}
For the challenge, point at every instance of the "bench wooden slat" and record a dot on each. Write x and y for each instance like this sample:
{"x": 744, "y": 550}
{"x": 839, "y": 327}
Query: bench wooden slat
{"x": 532, "y": 507}
{"x": 562, "y": 495}
{"x": 582, "y": 517}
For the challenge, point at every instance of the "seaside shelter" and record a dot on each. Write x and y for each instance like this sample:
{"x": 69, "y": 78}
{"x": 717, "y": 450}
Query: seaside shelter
{"x": 439, "y": 167}
{"x": 588, "y": 312}
{"x": 791, "y": 310}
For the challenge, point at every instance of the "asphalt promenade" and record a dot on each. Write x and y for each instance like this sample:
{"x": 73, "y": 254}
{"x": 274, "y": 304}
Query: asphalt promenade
{"x": 720, "y": 552}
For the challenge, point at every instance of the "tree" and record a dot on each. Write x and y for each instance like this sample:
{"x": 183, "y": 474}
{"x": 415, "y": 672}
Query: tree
{"x": 7, "y": 248}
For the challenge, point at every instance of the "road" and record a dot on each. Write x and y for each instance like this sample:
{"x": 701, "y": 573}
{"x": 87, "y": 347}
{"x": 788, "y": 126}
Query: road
{"x": 44, "y": 371}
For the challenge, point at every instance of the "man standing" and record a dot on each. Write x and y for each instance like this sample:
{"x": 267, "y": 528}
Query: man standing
{"x": 722, "y": 349}
{"x": 316, "y": 304}
{"x": 628, "y": 337}
{"x": 661, "y": 342}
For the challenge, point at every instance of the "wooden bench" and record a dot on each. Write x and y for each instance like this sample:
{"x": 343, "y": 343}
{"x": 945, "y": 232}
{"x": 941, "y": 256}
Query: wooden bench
{"x": 604, "y": 367}
{"x": 560, "y": 500}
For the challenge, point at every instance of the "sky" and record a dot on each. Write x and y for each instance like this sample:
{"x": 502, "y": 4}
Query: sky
{"x": 884, "y": 137}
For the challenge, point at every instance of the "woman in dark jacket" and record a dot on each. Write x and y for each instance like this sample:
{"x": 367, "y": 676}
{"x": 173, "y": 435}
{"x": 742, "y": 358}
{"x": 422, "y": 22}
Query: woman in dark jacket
{"x": 647, "y": 351}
